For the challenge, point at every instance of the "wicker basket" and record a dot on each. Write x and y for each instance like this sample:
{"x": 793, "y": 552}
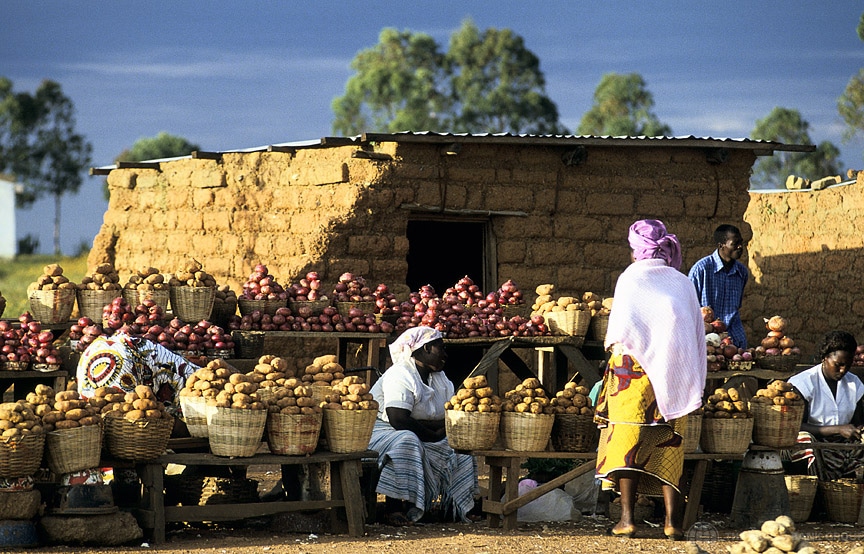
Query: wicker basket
{"x": 248, "y": 344}
{"x": 692, "y": 432}
{"x": 780, "y": 363}
{"x": 344, "y": 307}
{"x": 293, "y": 435}
{"x": 16, "y": 366}
{"x": 317, "y": 306}
{"x": 522, "y": 310}
{"x": 348, "y": 430}
{"x": 197, "y": 490}
{"x": 21, "y": 456}
{"x": 264, "y": 306}
{"x": 599, "y": 324}
{"x": 45, "y": 367}
{"x": 222, "y": 312}
{"x": 69, "y": 450}
{"x": 140, "y": 440}
{"x": 568, "y": 322}
{"x": 575, "y": 433}
{"x": 194, "y": 410}
{"x": 53, "y": 306}
{"x": 842, "y": 499}
{"x": 235, "y": 432}
{"x": 136, "y": 297}
{"x": 192, "y": 304}
{"x": 526, "y": 432}
{"x": 776, "y": 426}
{"x": 726, "y": 436}
{"x": 91, "y": 302}
{"x": 802, "y": 491}
{"x": 471, "y": 430}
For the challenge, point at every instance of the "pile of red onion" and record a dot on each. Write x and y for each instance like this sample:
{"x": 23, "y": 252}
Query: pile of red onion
{"x": 262, "y": 286}
{"x": 352, "y": 288}
{"x": 308, "y": 289}
{"x": 329, "y": 320}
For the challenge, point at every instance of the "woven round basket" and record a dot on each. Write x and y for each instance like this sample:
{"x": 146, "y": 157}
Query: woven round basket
{"x": 568, "y": 322}
{"x": 264, "y": 306}
{"x": 599, "y": 324}
{"x": 293, "y": 435}
{"x": 21, "y": 456}
{"x": 197, "y": 490}
{"x": 802, "y": 491}
{"x": 53, "y": 306}
{"x": 522, "y": 310}
{"x": 726, "y": 436}
{"x": 692, "y": 432}
{"x": 91, "y": 302}
{"x": 320, "y": 389}
{"x": 842, "y": 499}
{"x": 344, "y": 307}
{"x": 348, "y": 430}
{"x": 389, "y": 318}
{"x": 235, "y": 432}
{"x": 140, "y": 440}
{"x": 222, "y": 312}
{"x": 192, "y": 304}
{"x": 575, "y": 433}
{"x": 781, "y": 363}
{"x": 776, "y": 426}
{"x": 136, "y": 297}
{"x": 526, "y": 432}
{"x": 248, "y": 344}
{"x": 471, "y": 430}
{"x": 194, "y": 410}
{"x": 69, "y": 450}
{"x": 16, "y": 366}
{"x": 317, "y": 306}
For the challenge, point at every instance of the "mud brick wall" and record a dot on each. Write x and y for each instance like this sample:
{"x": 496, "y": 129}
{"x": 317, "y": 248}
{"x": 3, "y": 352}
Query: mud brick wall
{"x": 806, "y": 260}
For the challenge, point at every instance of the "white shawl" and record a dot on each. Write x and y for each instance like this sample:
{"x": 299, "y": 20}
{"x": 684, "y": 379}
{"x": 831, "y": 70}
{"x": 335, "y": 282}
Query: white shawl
{"x": 656, "y": 318}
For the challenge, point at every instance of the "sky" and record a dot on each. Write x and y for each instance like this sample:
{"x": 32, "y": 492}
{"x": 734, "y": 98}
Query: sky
{"x": 232, "y": 75}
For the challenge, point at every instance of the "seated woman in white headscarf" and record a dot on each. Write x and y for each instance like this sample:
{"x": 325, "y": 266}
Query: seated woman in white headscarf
{"x": 419, "y": 470}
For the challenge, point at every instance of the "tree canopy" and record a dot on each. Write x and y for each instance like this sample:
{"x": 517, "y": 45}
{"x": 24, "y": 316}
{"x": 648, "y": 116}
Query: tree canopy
{"x": 622, "y": 107}
{"x": 850, "y": 105}
{"x": 486, "y": 82}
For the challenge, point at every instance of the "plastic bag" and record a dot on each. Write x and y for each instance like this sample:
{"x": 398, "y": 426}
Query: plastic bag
{"x": 584, "y": 489}
{"x": 555, "y": 505}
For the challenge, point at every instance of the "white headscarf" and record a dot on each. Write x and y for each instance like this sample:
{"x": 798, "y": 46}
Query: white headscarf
{"x": 411, "y": 340}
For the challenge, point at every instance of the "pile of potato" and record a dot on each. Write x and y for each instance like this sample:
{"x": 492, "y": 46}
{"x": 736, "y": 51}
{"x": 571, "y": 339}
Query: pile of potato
{"x": 274, "y": 369}
{"x": 192, "y": 274}
{"x": 475, "y": 396}
{"x": 138, "y": 405}
{"x": 70, "y": 411}
{"x": 240, "y": 392}
{"x": 52, "y": 278}
{"x": 104, "y": 277}
{"x": 106, "y": 399}
{"x": 726, "y": 404}
{"x": 293, "y": 398}
{"x": 41, "y": 400}
{"x": 209, "y": 380}
{"x": 323, "y": 371}
{"x": 148, "y": 278}
{"x": 572, "y": 400}
{"x": 776, "y": 535}
{"x": 17, "y": 419}
{"x": 350, "y": 393}
{"x": 224, "y": 295}
{"x": 528, "y": 397}
{"x": 778, "y": 393}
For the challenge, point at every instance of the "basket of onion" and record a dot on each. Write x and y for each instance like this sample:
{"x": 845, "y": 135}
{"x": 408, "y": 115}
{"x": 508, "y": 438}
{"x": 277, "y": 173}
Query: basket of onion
{"x": 307, "y": 294}
{"x": 262, "y": 292}
{"x": 511, "y": 300}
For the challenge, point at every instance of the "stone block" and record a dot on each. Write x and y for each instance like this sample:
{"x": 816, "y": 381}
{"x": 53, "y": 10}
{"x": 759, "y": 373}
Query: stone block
{"x": 97, "y": 530}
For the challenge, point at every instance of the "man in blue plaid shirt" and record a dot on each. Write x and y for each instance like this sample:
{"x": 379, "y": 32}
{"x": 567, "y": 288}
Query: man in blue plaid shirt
{"x": 720, "y": 279}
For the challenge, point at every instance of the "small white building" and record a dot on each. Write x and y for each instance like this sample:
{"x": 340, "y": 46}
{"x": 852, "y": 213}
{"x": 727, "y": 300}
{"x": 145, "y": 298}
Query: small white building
{"x": 8, "y": 233}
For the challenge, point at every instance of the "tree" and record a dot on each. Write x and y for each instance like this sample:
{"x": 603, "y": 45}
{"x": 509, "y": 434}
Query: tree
{"x": 486, "y": 82}
{"x": 622, "y": 107}
{"x": 163, "y": 145}
{"x": 850, "y": 105}
{"x": 39, "y": 145}
{"x": 787, "y": 126}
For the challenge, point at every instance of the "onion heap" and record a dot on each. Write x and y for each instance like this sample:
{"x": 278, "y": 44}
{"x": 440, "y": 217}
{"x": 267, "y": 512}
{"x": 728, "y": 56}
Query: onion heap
{"x": 777, "y": 343}
{"x": 329, "y": 320}
{"x": 475, "y": 396}
{"x": 148, "y": 278}
{"x": 352, "y": 288}
{"x": 14, "y": 349}
{"x": 117, "y": 314}
{"x": 52, "y": 278}
{"x": 385, "y": 301}
{"x": 261, "y": 285}
{"x": 528, "y": 397}
{"x": 572, "y": 400}
{"x": 509, "y": 294}
{"x": 84, "y": 331}
{"x": 726, "y": 404}
{"x": 104, "y": 277}
{"x": 40, "y": 344}
{"x": 307, "y": 290}
{"x": 718, "y": 344}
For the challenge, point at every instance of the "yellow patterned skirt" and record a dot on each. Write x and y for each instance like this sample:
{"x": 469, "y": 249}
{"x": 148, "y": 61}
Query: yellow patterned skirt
{"x": 634, "y": 436}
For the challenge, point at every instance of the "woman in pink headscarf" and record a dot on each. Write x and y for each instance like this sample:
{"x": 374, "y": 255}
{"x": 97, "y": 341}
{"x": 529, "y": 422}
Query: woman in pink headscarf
{"x": 655, "y": 376}
{"x": 419, "y": 470}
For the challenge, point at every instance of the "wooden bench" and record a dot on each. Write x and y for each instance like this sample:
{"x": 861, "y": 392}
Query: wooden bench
{"x": 152, "y": 514}
{"x": 506, "y": 463}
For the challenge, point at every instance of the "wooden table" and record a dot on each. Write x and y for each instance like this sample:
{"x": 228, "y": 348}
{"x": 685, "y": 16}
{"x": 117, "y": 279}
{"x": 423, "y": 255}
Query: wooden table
{"x": 26, "y": 381}
{"x": 345, "y": 469}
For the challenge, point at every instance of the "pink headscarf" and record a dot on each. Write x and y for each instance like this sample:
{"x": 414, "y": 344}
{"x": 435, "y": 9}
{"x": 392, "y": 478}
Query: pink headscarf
{"x": 410, "y": 340}
{"x": 648, "y": 239}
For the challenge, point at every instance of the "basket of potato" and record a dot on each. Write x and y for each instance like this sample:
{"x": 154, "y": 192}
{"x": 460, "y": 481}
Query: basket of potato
{"x": 565, "y": 315}
{"x": 22, "y": 441}
{"x": 323, "y": 373}
{"x": 52, "y": 296}
{"x": 294, "y": 419}
{"x": 97, "y": 289}
{"x": 691, "y": 430}
{"x": 574, "y": 429}
{"x": 147, "y": 284}
{"x": 138, "y": 428}
{"x": 74, "y": 430}
{"x": 473, "y": 415}
{"x": 777, "y": 413}
{"x": 727, "y": 424}
{"x": 192, "y": 291}
{"x": 205, "y": 383}
{"x": 236, "y": 416}
{"x": 349, "y": 415}
{"x": 527, "y": 416}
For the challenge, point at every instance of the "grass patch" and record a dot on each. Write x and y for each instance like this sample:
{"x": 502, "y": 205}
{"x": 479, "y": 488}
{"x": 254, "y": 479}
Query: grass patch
{"x": 17, "y": 274}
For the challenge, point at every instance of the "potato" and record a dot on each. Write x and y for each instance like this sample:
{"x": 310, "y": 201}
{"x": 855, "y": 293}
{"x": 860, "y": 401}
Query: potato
{"x": 133, "y": 415}
{"x": 66, "y": 424}
{"x": 76, "y": 414}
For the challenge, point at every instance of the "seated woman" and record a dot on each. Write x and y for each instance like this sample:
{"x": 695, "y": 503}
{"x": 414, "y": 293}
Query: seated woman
{"x": 834, "y": 411}
{"x": 419, "y": 470}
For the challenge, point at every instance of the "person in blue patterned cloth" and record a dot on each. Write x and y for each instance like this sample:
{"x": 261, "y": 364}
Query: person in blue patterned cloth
{"x": 720, "y": 280}
{"x": 419, "y": 471}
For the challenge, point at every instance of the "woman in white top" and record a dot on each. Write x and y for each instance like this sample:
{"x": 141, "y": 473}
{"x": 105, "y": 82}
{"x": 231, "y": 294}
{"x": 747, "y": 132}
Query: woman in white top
{"x": 834, "y": 411}
{"x": 419, "y": 470}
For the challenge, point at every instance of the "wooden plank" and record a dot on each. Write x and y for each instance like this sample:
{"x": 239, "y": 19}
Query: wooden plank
{"x": 233, "y": 512}
{"x": 514, "y": 504}
{"x": 588, "y": 371}
{"x": 194, "y": 458}
{"x": 694, "y": 496}
{"x": 349, "y": 475}
{"x": 153, "y": 499}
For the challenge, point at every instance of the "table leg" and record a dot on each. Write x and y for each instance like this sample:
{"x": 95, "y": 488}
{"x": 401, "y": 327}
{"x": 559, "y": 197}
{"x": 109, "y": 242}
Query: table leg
{"x": 349, "y": 475}
{"x": 694, "y": 496}
{"x": 153, "y": 498}
{"x": 511, "y": 489}
{"x": 496, "y": 489}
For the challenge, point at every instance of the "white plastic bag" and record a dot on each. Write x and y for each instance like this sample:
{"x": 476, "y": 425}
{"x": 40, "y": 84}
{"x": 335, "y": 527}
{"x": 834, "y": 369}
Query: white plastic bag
{"x": 555, "y": 505}
{"x": 584, "y": 490}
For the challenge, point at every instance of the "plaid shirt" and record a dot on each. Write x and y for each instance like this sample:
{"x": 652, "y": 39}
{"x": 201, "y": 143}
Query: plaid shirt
{"x": 722, "y": 291}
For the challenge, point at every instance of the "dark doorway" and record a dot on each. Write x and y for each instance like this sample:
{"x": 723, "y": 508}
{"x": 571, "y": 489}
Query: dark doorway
{"x": 442, "y": 252}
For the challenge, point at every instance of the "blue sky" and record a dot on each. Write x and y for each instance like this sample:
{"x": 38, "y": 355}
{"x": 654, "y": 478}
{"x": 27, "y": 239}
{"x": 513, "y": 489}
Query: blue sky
{"x": 240, "y": 74}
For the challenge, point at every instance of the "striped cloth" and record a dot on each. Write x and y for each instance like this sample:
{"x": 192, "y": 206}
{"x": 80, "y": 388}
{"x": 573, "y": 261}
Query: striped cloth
{"x": 429, "y": 475}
